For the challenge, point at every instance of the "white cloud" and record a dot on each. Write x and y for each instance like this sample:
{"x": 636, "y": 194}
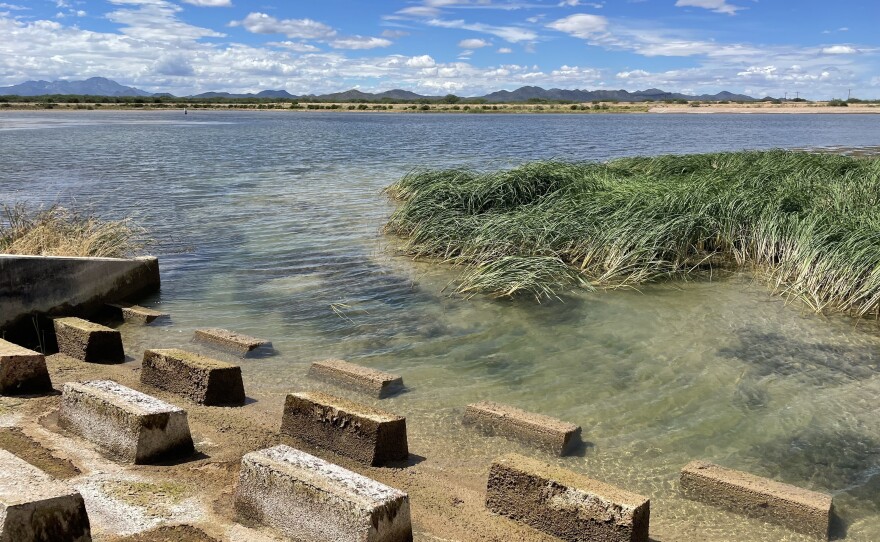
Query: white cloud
{"x": 505, "y": 50}
{"x": 839, "y": 50}
{"x": 394, "y": 34}
{"x": 718, "y": 6}
{"x": 297, "y": 46}
{"x": 423, "y": 61}
{"x": 634, "y": 74}
{"x": 262, "y": 23}
{"x": 581, "y": 25}
{"x": 474, "y": 43}
{"x": 359, "y": 42}
{"x": 210, "y": 3}
{"x": 513, "y": 34}
{"x": 156, "y": 20}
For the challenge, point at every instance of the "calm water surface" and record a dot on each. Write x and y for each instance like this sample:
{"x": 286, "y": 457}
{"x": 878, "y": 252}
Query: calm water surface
{"x": 268, "y": 223}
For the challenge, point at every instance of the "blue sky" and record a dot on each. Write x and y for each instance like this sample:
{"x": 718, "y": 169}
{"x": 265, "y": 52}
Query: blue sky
{"x": 818, "y": 49}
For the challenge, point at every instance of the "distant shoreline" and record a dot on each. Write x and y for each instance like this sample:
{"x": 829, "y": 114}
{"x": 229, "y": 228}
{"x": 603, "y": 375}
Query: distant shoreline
{"x": 512, "y": 108}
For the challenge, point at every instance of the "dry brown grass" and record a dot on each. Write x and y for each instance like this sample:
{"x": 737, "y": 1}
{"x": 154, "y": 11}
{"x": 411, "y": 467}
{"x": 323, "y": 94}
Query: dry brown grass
{"x": 58, "y": 231}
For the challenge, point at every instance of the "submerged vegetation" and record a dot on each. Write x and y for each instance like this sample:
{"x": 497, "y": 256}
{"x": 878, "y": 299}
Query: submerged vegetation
{"x": 58, "y": 231}
{"x": 808, "y": 224}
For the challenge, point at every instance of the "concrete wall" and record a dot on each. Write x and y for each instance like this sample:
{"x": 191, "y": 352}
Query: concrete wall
{"x": 46, "y": 286}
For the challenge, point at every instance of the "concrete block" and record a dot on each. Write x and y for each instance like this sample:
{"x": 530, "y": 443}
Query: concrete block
{"x": 22, "y": 370}
{"x": 494, "y": 418}
{"x": 88, "y": 341}
{"x": 200, "y": 379}
{"x": 125, "y": 423}
{"x": 307, "y": 498}
{"x": 135, "y": 313}
{"x": 229, "y": 340}
{"x": 348, "y": 375}
{"x": 363, "y": 433}
{"x": 34, "y": 507}
{"x": 565, "y": 504}
{"x": 801, "y": 510}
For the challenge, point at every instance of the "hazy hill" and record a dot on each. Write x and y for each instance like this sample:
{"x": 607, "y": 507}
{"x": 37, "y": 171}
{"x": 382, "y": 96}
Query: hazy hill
{"x": 95, "y": 86}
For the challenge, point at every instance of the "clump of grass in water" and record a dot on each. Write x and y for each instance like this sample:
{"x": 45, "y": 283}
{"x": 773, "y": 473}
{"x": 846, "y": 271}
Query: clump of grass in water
{"x": 807, "y": 223}
{"x": 58, "y": 231}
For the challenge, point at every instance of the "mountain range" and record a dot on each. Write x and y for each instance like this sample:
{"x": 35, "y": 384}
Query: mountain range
{"x": 100, "y": 86}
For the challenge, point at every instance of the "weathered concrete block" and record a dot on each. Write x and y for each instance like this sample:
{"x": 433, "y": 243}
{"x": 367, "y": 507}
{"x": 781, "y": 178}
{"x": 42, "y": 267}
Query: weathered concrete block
{"x": 307, "y": 498}
{"x": 88, "y": 341}
{"x": 125, "y": 423}
{"x": 135, "y": 313}
{"x": 799, "y": 509}
{"x": 565, "y": 504}
{"x": 34, "y": 507}
{"x": 229, "y": 340}
{"x": 22, "y": 370}
{"x": 201, "y": 379}
{"x": 497, "y": 419}
{"x": 349, "y": 375}
{"x": 363, "y": 433}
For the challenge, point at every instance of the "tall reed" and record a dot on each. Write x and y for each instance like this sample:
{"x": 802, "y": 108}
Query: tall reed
{"x": 807, "y": 223}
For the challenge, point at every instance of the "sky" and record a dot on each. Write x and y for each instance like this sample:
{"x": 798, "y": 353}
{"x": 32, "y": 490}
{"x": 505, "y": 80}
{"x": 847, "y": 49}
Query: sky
{"x": 816, "y": 49}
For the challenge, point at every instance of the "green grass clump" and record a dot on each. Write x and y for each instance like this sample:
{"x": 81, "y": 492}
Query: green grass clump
{"x": 807, "y": 223}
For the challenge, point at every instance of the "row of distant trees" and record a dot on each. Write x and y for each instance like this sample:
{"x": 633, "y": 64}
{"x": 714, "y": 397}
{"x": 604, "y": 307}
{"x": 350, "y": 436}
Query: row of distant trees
{"x": 450, "y": 99}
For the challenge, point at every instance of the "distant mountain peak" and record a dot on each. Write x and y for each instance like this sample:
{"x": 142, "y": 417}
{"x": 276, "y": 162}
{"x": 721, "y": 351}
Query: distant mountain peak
{"x": 101, "y": 86}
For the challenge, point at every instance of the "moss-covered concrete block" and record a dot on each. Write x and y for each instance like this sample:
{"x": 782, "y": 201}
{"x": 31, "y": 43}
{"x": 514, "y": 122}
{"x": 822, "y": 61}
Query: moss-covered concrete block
{"x": 135, "y": 313}
{"x": 22, "y": 370}
{"x": 348, "y": 375}
{"x": 799, "y": 509}
{"x": 34, "y": 507}
{"x": 229, "y": 340}
{"x": 199, "y": 378}
{"x": 363, "y": 433}
{"x": 126, "y": 424}
{"x": 565, "y": 504}
{"x": 88, "y": 341}
{"x": 307, "y": 498}
{"x": 549, "y": 433}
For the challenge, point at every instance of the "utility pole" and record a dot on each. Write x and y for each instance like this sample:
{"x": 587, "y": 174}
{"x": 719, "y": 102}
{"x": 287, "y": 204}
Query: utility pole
{"x": 786, "y": 96}
{"x": 848, "y": 94}
{"x": 797, "y": 95}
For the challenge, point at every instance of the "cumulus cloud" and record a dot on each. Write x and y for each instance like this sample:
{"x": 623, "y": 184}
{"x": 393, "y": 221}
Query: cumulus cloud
{"x": 210, "y": 3}
{"x": 505, "y": 50}
{"x": 263, "y": 23}
{"x": 474, "y": 43}
{"x": 359, "y": 42}
{"x": 718, "y": 6}
{"x": 840, "y": 50}
{"x": 581, "y": 25}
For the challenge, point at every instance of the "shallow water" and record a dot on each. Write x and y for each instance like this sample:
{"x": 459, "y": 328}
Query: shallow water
{"x": 268, "y": 223}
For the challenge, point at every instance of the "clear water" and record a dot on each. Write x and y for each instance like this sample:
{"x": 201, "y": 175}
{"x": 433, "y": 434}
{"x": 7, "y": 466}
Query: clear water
{"x": 269, "y": 223}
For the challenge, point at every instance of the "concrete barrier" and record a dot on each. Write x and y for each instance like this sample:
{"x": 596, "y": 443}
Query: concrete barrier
{"x": 565, "y": 504}
{"x": 348, "y": 375}
{"x": 88, "y": 341}
{"x": 34, "y": 507}
{"x": 124, "y": 423}
{"x": 135, "y": 313}
{"x": 22, "y": 371}
{"x": 363, "y": 433}
{"x": 494, "y": 418}
{"x": 198, "y": 378}
{"x": 49, "y": 286}
{"x": 307, "y": 498}
{"x": 801, "y": 510}
{"x": 229, "y": 340}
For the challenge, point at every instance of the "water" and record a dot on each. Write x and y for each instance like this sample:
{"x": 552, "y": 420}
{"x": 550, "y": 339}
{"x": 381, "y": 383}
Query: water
{"x": 269, "y": 223}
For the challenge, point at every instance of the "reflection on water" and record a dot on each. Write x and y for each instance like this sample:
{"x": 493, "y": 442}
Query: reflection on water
{"x": 269, "y": 224}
